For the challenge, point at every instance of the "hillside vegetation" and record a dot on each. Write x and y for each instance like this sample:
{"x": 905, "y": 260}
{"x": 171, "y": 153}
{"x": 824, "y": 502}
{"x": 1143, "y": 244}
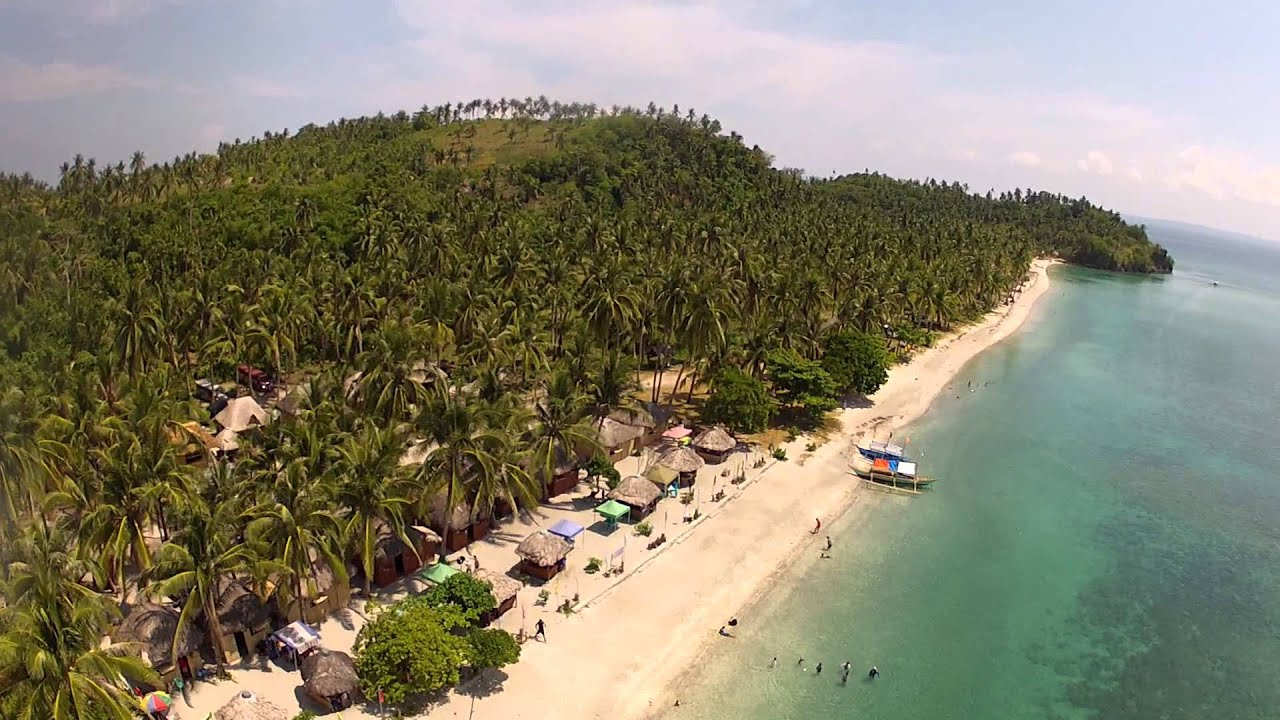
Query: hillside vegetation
{"x": 486, "y": 277}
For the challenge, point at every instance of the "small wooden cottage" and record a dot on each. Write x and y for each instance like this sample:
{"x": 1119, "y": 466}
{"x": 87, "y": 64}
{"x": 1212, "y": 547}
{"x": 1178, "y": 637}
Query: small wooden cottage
{"x": 684, "y": 461}
{"x": 617, "y": 440}
{"x": 244, "y": 617}
{"x": 329, "y": 677}
{"x": 394, "y": 560}
{"x": 322, "y": 593}
{"x": 247, "y": 706}
{"x": 638, "y": 493}
{"x": 542, "y": 554}
{"x": 714, "y": 445}
{"x": 153, "y": 627}
{"x": 464, "y": 528}
{"x": 505, "y": 590}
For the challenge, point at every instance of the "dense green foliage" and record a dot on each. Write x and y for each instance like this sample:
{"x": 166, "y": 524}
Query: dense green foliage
{"x": 409, "y": 649}
{"x": 856, "y": 361}
{"x": 492, "y": 648}
{"x": 800, "y": 384}
{"x": 464, "y": 593}
{"x": 740, "y": 401}
{"x": 481, "y": 282}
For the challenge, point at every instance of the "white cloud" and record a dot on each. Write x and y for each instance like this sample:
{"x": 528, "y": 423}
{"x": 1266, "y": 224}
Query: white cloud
{"x": 264, "y": 88}
{"x": 1223, "y": 174}
{"x": 1096, "y": 162}
{"x": 1025, "y": 158}
{"x": 22, "y": 82}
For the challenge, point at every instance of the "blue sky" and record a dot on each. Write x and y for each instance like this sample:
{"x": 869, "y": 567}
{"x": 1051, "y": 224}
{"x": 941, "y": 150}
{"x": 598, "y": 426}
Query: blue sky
{"x": 1163, "y": 109}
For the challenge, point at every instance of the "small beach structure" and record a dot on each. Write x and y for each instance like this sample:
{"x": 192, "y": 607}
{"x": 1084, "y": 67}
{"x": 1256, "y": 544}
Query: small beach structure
{"x": 504, "y": 589}
{"x": 542, "y": 554}
{"x": 618, "y": 440}
{"x": 714, "y": 445}
{"x": 329, "y": 677}
{"x": 463, "y": 527}
{"x": 664, "y": 478}
{"x": 243, "y": 616}
{"x": 322, "y": 594}
{"x": 247, "y": 706}
{"x": 677, "y": 433}
{"x": 638, "y": 493}
{"x": 228, "y": 442}
{"x": 153, "y": 627}
{"x": 437, "y": 573}
{"x": 194, "y": 444}
{"x": 564, "y": 476}
{"x": 612, "y": 511}
{"x": 567, "y": 529}
{"x": 393, "y": 559}
{"x": 649, "y": 418}
{"x": 242, "y": 413}
{"x": 295, "y": 640}
{"x": 685, "y": 462}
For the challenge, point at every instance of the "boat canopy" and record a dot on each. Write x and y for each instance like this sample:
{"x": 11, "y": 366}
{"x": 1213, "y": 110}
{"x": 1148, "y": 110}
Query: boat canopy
{"x": 885, "y": 449}
{"x": 907, "y": 468}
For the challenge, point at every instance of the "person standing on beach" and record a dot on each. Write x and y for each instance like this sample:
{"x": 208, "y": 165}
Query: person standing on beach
{"x": 817, "y": 526}
{"x": 844, "y": 673}
{"x": 818, "y": 670}
{"x": 540, "y": 630}
{"x": 828, "y": 542}
{"x": 773, "y": 663}
{"x": 800, "y": 664}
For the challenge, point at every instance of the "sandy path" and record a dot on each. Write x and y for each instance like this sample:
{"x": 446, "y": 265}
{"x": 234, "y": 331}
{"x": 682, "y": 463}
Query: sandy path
{"x": 617, "y": 656}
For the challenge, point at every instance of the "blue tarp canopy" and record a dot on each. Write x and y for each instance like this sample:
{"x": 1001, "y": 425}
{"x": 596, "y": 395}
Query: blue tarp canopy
{"x": 566, "y": 529}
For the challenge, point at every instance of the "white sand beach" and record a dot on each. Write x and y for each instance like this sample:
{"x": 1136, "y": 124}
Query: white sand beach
{"x": 633, "y": 636}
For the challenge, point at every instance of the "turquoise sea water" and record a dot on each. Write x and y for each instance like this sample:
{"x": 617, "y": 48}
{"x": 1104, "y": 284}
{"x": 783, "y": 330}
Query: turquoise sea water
{"x": 1104, "y": 541}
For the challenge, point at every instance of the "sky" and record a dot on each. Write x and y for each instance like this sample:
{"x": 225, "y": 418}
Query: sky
{"x": 1161, "y": 109}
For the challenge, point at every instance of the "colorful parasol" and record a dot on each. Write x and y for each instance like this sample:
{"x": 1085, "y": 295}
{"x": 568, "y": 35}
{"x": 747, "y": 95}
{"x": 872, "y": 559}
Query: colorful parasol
{"x": 157, "y": 702}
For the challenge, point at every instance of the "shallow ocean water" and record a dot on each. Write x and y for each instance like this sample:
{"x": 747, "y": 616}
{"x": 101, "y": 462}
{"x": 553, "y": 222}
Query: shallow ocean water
{"x": 1104, "y": 539}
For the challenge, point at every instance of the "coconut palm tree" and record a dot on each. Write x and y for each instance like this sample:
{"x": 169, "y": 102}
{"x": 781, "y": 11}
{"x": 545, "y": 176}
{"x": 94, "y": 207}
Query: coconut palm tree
{"x": 466, "y": 451}
{"x": 373, "y": 492}
{"x": 562, "y": 427}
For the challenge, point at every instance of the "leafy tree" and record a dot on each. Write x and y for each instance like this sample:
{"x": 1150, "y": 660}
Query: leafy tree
{"x": 740, "y": 401}
{"x": 858, "y": 362}
{"x": 409, "y": 649}
{"x": 598, "y": 467}
{"x": 801, "y": 384}
{"x": 491, "y": 648}
{"x": 468, "y": 595}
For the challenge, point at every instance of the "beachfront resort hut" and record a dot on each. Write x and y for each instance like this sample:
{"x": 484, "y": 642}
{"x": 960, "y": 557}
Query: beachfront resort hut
{"x": 504, "y": 590}
{"x": 649, "y": 418}
{"x": 322, "y": 594}
{"x": 193, "y": 443}
{"x": 153, "y": 628}
{"x": 247, "y": 706}
{"x": 564, "y": 476}
{"x": 242, "y": 413}
{"x": 329, "y": 677}
{"x": 617, "y": 440}
{"x": 228, "y": 442}
{"x": 638, "y": 493}
{"x": 664, "y": 478}
{"x": 393, "y": 559}
{"x": 714, "y": 445}
{"x": 542, "y": 554}
{"x": 612, "y": 511}
{"x": 462, "y": 526}
{"x": 685, "y": 462}
{"x": 244, "y": 618}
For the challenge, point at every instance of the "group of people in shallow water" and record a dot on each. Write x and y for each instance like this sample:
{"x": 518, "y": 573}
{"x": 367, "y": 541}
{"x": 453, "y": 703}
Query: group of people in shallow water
{"x": 845, "y": 669}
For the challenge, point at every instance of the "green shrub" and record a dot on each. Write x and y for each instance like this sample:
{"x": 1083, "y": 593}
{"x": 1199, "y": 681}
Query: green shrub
{"x": 593, "y": 566}
{"x": 644, "y": 529}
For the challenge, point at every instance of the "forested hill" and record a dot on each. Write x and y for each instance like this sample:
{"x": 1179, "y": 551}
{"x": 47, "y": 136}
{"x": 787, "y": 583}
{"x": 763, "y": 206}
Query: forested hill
{"x": 501, "y": 232}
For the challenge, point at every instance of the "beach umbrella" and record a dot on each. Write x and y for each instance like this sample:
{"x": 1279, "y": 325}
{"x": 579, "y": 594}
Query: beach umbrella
{"x": 157, "y": 702}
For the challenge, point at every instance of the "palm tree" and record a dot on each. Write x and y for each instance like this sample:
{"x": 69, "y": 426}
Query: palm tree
{"x": 611, "y": 386}
{"x": 203, "y": 553}
{"x": 562, "y": 429}
{"x": 53, "y": 663}
{"x": 466, "y": 451}
{"x": 372, "y": 490}
{"x": 297, "y": 528}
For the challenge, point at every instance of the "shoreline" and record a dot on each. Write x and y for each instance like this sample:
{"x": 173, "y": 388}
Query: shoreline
{"x": 621, "y": 656}
{"x": 627, "y": 647}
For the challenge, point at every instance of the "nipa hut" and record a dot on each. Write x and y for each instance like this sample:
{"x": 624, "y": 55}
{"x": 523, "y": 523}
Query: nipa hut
{"x": 247, "y": 706}
{"x": 393, "y": 559}
{"x": 638, "y": 493}
{"x": 684, "y": 461}
{"x": 714, "y": 445}
{"x": 542, "y": 554}
{"x": 194, "y": 443}
{"x": 322, "y": 594}
{"x": 650, "y": 419}
{"x": 244, "y": 617}
{"x": 228, "y": 442}
{"x": 504, "y": 589}
{"x": 153, "y": 627}
{"x": 242, "y": 413}
{"x": 564, "y": 476}
{"x": 463, "y": 528}
{"x": 618, "y": 440}
{"x": 329, "y": 677}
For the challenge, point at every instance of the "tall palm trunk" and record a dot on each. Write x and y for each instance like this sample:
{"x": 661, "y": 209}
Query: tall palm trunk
{"x": 215, "y": 631}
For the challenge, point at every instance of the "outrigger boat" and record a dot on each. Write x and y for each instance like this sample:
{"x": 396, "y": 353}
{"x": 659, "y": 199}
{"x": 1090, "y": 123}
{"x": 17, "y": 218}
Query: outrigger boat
{"x": 885, "y": 463}
{"x": 876, "y": 450}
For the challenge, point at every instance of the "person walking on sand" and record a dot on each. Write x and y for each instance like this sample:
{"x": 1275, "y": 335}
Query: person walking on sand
{"x": 800, "y": 664}
{"x": 818, "y": 670}
{"x": 817, "y": 526}
{"x": 828, "y": 542}
{"x": 773, "y": 663}
{"x": 724, "y": 632}
{"x": 844, "y": 673}
{"x": 540, "y": 630}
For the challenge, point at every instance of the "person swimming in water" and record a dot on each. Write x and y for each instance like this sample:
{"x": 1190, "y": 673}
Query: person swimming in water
{"x": 874, "y": 672}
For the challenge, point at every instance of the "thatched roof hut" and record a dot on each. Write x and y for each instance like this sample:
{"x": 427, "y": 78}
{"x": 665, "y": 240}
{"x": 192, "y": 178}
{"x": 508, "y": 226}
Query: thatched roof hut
{"x": 329, "y": 673}
{"x": 682, "y": 460}
{"x": 192, "y": 437}
{"x": 247, "y": 706}
{"x": 637, "y": 491}
{"x": 612, "y": 434}
{"x": 543, "y": 549}
{"x": 227, "y": 440}
{"x": 388, "y": 544}
{"x": 715, "y": 440}
{"x": 635, "y": 417}
{"x": 504, "y": 587}
{"x": 459, "y": 518}
{"x": 153, "y": 627}
{"x": 239, "y": 609}
{"x": 242, "y": 413}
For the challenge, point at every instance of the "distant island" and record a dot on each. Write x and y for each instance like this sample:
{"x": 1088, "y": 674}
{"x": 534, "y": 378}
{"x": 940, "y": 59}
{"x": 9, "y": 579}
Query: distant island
{"x": 316, "y": 360}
